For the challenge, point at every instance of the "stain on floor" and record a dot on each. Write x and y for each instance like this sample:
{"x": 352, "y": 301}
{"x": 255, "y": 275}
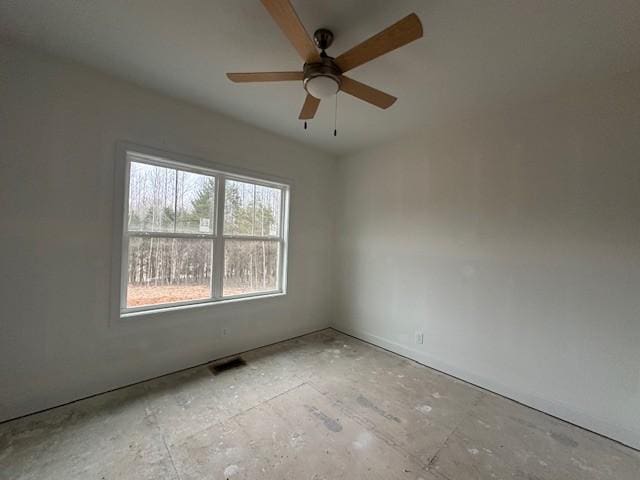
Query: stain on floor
{"x": 330, "y": 423}
{"x": 563, "y": 439}
{"x": 365, "y": 402}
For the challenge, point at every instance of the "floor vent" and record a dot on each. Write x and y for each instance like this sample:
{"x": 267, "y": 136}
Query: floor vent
{"x": 227, "y": 364}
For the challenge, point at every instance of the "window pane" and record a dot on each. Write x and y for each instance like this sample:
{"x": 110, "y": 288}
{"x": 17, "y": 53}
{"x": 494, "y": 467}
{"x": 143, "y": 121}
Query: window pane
{"x": 151, "y": 198}
{"x": 267, "y": 219}
{"x": 195, "y": 202}
{"x": 251, "y": 209}
{"x": 168, "y": 270}
{"x": 250, "y": 266}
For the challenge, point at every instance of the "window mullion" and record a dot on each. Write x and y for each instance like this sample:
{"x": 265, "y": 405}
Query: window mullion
{"x": 284, "y": 235}
{"x": 218, "y": 247}
{"x": 175, "y": 204}
{"x": 253, "y": 238}
{"x": 124, "y": 265}
{"x": 148, "y": 234}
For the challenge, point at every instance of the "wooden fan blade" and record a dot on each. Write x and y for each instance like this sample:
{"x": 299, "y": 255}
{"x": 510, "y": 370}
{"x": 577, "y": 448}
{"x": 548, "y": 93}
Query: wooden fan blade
{"x": 288, "y": 21}
{"x": 309, "y": 108}
{"x": 265, "y": 77}
{"x": 400, "y": 33}
{"x": 366, "y": 93}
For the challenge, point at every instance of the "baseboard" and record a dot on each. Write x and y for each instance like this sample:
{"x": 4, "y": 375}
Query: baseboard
{"x": 554, "y": 408}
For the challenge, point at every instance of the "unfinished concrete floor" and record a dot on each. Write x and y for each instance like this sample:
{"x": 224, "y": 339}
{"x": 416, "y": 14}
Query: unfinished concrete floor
{"x": 323, "y": 406}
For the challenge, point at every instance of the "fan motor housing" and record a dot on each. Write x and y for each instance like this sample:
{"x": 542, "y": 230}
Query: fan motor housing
{"x": 326, "y": 67}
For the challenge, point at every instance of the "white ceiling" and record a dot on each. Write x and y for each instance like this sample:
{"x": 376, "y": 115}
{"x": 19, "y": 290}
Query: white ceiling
{"x": 475, "y": 54}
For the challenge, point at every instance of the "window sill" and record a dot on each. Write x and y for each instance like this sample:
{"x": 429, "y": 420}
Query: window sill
{"x": 175, "y": 308}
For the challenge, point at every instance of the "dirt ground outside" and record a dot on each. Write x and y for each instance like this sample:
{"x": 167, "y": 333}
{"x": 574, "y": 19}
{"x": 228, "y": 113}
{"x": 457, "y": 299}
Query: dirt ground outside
{"x": 140, "y": 295}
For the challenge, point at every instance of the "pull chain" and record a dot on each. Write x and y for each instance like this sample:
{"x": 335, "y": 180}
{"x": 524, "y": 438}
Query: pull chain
{"x": 335, "y": 119}
{"x": 305, "y": 124}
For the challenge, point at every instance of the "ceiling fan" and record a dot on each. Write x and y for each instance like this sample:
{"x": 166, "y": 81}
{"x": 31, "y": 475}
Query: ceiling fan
{"x": 322, "y": 75}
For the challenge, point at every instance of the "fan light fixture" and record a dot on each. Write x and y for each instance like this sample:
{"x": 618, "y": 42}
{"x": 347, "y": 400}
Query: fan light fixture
{"x": 322, "y": 86}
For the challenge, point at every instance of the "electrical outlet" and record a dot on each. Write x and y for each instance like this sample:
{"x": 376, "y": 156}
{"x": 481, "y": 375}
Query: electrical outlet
{"x": 419, "y": 337}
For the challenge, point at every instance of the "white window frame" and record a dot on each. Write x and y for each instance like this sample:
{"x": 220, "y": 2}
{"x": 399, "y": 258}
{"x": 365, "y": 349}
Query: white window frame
{"x": 127, "y": 154}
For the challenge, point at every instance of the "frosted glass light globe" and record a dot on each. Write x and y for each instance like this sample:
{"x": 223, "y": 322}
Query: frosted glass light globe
{"x": 322, "y": 87}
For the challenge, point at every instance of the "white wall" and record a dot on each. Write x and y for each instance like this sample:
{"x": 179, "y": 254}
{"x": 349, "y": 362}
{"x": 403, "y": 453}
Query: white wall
{"x": 59, "y": 124}
{"x": 512, "y": 240}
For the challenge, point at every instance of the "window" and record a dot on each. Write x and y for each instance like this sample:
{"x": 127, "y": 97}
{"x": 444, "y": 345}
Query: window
{"x": 194, "y": 235}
